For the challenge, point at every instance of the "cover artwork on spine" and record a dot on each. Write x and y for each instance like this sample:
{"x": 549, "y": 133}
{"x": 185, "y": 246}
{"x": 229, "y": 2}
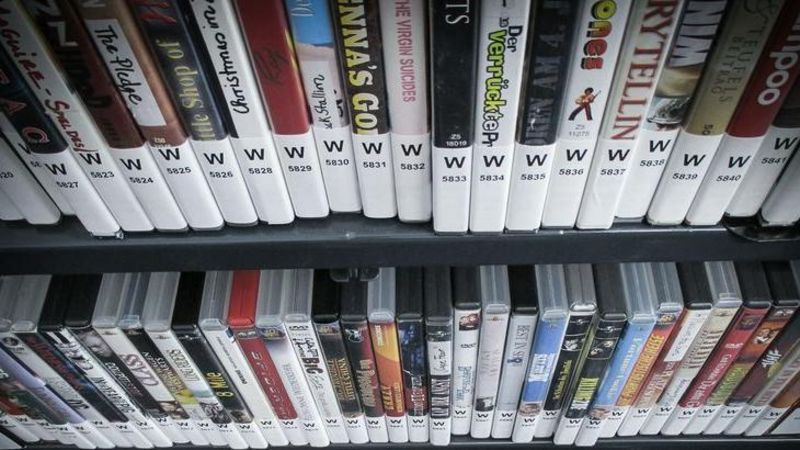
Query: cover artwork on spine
{"x": 466, "y": 335}
{"x": 411, "y": 337}
{"x": 438, "y": 296}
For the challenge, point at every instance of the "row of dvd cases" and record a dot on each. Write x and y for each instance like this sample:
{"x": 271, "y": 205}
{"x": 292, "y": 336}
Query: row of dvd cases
{"x": 244, "y": 359}
{"x": 483, "y": 116}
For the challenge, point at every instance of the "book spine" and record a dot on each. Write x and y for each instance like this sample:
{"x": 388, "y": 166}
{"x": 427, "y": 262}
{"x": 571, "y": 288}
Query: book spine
{"x": 124, "y": 361}
{"x": 663, "y": 329}
{"x": 411, "y": 334}
{"x": 714, "y": 369}
{"x": 439, "y": 343}
{"x": 547, "y": 64}
{"x": 518, "y": 346}
{"x": 601, "y": 27}
{"x": 467, "y": 324}
{"x": 125, "y": 51}
{"x": 740, "y": 42}
{"x": 344, "y": 383}
{"x": 249, "y": 133}
{"x": 182, "y": 63}
{"x": 362, "y": 361}
{"x": 454, "y": 43}
{"x": 226, "y": 400}
{"x": 628, "y": 352}
{"x": 650, "y": 29}
{"x": 700, "y": 351}
{"x": 315, "y": 45}
{"x": 67, "y": 37}
{"x": 503, "y": 37}
{"x": 782, "y": 206}
{"x": 269, "y": 379}
{"x": 544, "y": 354}
{"x": 403, "y": 25}
{"x": 291, "y": 373}
{"x": 575, "y": 336}
{"x": 776, "y": 409}
{"x": 494, "y": 326}
{"x": 23, "y": 190}
{"x": 390, "y": 377}
{"x": 266, "y": 29}
{"x": 309, "y": 353}
{"x": 365, "y": 88}
{"x": 674, "y": 351}
{"x": 774, "y": 74}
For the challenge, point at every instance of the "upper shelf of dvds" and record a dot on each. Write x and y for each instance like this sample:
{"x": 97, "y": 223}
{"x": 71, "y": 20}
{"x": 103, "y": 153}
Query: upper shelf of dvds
{"x": 354, "y": 241}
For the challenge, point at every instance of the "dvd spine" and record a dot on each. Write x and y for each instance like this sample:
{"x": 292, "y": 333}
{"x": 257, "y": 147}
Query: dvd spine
{"x": 577, "y": 332}
{"x": 67, "y": 37}
{"x": 776, "y": 409}
{"x": 312, "y": 360}
{"x": 315, "y": 45}
{"x": 467, "y": 324}
{"x": 790, "y": 424}
{"x": 344, "y": 383}
{"x": 587, "y": 94}
{"x": 250, "y": 135}
{"x": 439, "y": 342}
{"x": 494, "y": 326}
{"x": 518, "y": 346}
{"x": 546, "y": 348}
{"x": 227, "y": 401}
{"x": 15, "y": 428}
{"x": 642, "y": 58}
{"x": 503, "y": 38}
{"x": 454, "y": 43}
{"x": 266, "y": 373}
{"x": 411, "y": 334}
{"x": 182, "y": 63}
{"x": 362, "y": 361}
{"x": 390, "y": 377}
{"x": 627, "y": 354}
{"x": 674, "y": 90}
{"x": 23, "y": 191}
{"x": 663, "y": 329}
{"x": 782, "y": 207}
{"x": 774, "y": 74}
{"x": 266, "y": 29}
{"x": 15, "y": 417}
{"x": 291, "y": 373}
{"x": 29, "y": 412}
{"x": 124, "y": 50}
{"x": 547, "y": 61}
{"x": 741, "y": 40}
{"x": 365, "y": 88}
{"x": 403, "y": 25}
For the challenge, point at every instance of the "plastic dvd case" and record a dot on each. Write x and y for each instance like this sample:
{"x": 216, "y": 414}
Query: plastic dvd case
{"x": 381, "y": 307}
{"x": 467, "y": 323}
{"x": 438, "y": 295}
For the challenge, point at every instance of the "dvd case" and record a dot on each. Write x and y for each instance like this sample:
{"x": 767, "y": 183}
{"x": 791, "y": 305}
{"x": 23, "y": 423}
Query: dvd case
{"x": 453, "y": 43}
{"x": 636, "y": 285}
{"x": 183, "y": 63}
{"x": 612, "y": 320}
{"x": 360, "y": 352}
{"x": 411, "y": 337}
{"x": 782, "y": 206}
{"x": 381, "y": 306}
{"x": 315, "y": 46}
{"x": 218, "y": 290}
{"x": 438, "y": 297}
{"x": 641, "y": 61}
{"x": 694, "y": 38}
{"x": 275, "y": 288}
{"x": 249, "y": 130}
{"x": 23, "y": 191}
{"x": 742, "y": 37}
{"x": 12, "y": 426}
{"x": 124, "y": 49}
{"x": 358, "y": 34}
{"x": 776, "y": 409}
{"x": 21, "y": 418}
{"x": 580, "y": 292}
{"x": 551, "y": 43}
{"x": 495, "y": 301}
{"x": 600, "y": 29}
{"x": 523, "y": 292}
{"x": 773, "y": 76}
{"x": 466, "y": 335}
{"x": 790, "y": 424}
{"x": 503, "y": 38}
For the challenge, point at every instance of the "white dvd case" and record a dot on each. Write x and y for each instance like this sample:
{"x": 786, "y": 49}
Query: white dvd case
{"x": 74, "y": 122}
{"x": 217, "y": 290}
{"x": 274, "y": 286}
{"x": 29, "y": 423}
{"x": 495, "y": 308}
{"x": 782, "y": 207}
{"x": 587, "y": 95}
{"x": 403, "y": 31}
{"x": 250, "y": 135}
{"x": 466, "y": 335}
{"x": 773, "y": 413}
{"x": 503, "y": 37}
{"x": 13, "y": 426}
{"x": 24, "y": 191}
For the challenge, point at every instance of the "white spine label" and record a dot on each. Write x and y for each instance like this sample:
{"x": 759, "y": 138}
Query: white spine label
{"x": 530, "y": 178}
{"x": 452, "y": 168}
{"x": 301, "y": 169}
{"x": 373, "y": 155}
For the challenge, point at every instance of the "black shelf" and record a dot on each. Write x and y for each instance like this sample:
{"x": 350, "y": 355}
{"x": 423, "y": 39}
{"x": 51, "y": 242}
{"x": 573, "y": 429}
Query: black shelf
{"x": 354, "y": 241}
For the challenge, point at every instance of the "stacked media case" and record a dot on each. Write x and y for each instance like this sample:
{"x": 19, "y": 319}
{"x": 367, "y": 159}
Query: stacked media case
{"x": 439, "y": 348}
{"x": 466, "y": 334}
{"x": 411, "y": 337}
